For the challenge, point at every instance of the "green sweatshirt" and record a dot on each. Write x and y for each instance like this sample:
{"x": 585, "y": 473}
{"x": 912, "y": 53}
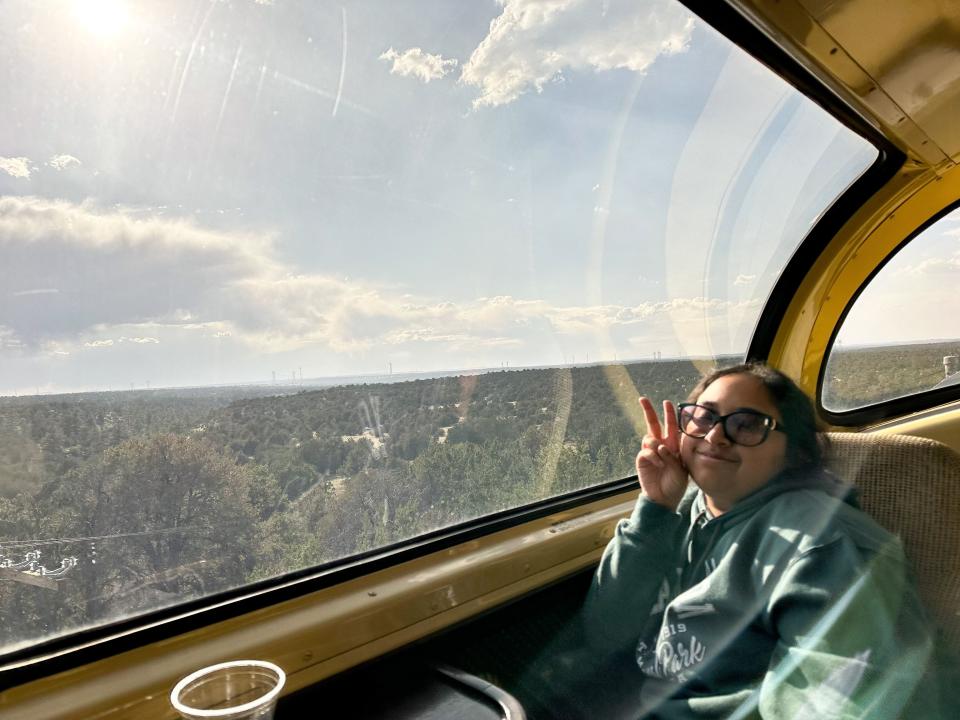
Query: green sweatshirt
{"x": 794, "y": 604}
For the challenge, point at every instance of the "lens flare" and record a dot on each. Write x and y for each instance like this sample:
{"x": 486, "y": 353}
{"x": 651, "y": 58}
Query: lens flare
{"x": 102, "y": 17}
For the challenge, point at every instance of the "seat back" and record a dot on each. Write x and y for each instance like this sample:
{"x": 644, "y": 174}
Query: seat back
{"x": 911, "y": 486}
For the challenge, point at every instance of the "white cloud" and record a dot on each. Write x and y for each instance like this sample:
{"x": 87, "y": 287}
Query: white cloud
{"x": 120, "y": 279}
{"x": 73, "y": 267}
{"x": 8, "y": 340}
{"x": 378, "y": 319}
{"x": 744, "y": 279}
{"x": 35, "y": 291}
{"x": 949, "y": 266}
{"x": 55, "y": 347}
{"x": 415, "y": 62}
{"x": 18, "y": 167}
{"x": 59, "y": 162}
{"x": 533, "y": 41}
{"x": 451, "y": 341}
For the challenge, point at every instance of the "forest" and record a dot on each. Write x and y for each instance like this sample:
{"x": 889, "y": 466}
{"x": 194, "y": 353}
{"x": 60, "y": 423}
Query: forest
{"x": 150, "y": 498}
{"x": 861, "y": 376}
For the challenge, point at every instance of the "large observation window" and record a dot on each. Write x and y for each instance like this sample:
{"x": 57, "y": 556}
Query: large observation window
{"x": 286, "y": 282}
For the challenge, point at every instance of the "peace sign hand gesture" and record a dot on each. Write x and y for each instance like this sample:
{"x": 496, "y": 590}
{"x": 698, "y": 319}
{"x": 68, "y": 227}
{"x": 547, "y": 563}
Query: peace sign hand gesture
{"x": 662, "y": 474}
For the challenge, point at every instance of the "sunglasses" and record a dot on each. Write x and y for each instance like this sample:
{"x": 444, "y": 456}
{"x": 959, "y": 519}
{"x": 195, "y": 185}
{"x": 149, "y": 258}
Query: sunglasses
{"x": 743, "y": 427}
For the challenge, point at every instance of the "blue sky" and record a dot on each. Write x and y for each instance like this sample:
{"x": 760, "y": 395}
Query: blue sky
{"x": 206, "y": 192}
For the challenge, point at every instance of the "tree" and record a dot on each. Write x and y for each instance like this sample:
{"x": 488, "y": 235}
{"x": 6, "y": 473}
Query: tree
{"x": 173, "y": 517}
{"x": 323, "y": 453}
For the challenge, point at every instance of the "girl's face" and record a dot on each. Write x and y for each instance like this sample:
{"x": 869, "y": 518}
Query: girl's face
{"x": 724, "y": 471}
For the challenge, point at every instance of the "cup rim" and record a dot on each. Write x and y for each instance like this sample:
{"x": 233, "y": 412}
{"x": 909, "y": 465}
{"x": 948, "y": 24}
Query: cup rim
{"x": 226, "y": 712}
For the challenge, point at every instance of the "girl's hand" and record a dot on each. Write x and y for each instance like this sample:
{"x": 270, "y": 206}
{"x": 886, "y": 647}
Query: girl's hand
{"x": 662, "y": 474}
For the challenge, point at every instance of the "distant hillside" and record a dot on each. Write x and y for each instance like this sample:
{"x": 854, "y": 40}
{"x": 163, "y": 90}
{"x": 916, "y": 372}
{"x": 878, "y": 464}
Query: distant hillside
{"x": 165, "y": 495}
{"x": 860, "y": 376}
{"x": 53, "y": 434}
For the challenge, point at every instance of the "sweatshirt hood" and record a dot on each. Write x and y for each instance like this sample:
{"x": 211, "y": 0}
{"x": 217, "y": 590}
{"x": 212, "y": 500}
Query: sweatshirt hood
{"x": 805, "y": 479}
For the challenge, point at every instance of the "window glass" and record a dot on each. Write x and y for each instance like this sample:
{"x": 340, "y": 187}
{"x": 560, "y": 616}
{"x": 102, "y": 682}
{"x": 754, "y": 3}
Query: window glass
{"x": 901, "y": 336}
{"x": 284, "y": 282}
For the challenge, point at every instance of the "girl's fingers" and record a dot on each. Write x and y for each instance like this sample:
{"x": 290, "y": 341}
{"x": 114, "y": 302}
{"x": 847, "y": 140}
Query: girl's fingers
{"x": 649, "y": 456}
{"x": 672, "y": 437}
{"x": 672, "y": 461}
{"x": 650, "y": 415}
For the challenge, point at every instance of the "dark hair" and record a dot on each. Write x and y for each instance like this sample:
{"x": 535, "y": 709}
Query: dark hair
{"x": 804, "y": 452}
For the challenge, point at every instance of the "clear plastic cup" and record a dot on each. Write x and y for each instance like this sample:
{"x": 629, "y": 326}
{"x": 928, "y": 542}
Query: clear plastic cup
{"x": 237, "y": 690}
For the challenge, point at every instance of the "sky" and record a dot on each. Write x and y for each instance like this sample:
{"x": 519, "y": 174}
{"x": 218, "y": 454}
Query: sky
{"x": 914, "y": 287}
{"x": 203, "y": 192}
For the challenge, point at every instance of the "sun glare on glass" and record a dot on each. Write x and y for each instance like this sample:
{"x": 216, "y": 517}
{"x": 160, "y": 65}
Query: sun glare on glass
{"x": 102, "y": 17}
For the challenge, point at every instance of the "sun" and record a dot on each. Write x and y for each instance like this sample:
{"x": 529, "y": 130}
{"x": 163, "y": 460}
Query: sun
{"x": 102, "y": 17}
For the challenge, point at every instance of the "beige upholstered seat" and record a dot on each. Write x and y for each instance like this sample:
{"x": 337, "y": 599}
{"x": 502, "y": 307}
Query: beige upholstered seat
{"x": 911, "y": 486}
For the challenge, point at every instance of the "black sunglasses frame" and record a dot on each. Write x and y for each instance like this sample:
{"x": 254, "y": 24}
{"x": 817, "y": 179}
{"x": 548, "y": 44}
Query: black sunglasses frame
{"x": 769, "y": 424}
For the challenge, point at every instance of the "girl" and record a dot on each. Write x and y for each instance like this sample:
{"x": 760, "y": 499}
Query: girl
{"x": 760, "y": 590}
